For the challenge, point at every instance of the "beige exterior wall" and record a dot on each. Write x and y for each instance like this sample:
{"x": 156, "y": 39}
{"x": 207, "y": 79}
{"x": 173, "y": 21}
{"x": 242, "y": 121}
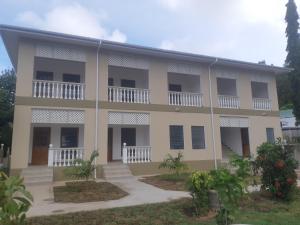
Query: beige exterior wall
{"x": 159, "y": 120}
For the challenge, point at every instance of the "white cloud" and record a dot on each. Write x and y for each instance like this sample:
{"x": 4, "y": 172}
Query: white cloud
{"x": 72, "y": 19}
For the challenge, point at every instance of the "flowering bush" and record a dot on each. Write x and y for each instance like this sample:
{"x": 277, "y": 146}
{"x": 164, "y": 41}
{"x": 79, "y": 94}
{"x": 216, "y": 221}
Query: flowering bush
{"x": 277, "y": 165}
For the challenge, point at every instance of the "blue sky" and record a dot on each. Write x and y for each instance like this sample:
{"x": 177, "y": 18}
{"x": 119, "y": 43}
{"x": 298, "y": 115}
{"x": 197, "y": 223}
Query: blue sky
{"x": 250, "y": 30}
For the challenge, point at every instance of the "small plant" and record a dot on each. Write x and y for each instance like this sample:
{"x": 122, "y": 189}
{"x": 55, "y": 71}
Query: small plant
{"x": 14, "y": 200}
{"x": 174, "y": 164}
{"x": 277, "y": 165}
{"x": 82, "y": 169}
{"x": 199, "y": 187}
{"x": 230, "y": 188}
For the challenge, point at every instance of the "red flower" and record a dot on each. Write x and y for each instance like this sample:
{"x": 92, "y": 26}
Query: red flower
{"x": 279, "y": 164}
{"x": 290, "y": 181}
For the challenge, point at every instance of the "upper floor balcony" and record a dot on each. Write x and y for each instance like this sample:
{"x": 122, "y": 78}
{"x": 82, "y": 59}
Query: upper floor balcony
{"x": 260, "y": 96}
{"x": 227, "y": 93}
{"x": 58, "y": 79}
{"x": 184, "y": 90}
{"x": 128, "y": 85}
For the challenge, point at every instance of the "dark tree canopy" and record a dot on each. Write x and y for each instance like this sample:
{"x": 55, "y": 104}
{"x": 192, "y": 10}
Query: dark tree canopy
{"x": 7, "y": 99}
{"x": 291, "y": 18}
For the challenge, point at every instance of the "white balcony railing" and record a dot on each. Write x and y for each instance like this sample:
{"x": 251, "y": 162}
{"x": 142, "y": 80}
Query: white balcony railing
{"x": 57, "y": 89}
{"x": 226, "y": 101}
{"x": 128, "y": 95}
{"x": 262, "y": 103}
{"x": 63, "y": 156}
{"x": 185, "y": 99}
{"x": 136, "y": 154}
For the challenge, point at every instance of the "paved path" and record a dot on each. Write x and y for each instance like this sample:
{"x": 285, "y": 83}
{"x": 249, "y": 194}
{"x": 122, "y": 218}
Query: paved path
{"x": 139, "y": 193}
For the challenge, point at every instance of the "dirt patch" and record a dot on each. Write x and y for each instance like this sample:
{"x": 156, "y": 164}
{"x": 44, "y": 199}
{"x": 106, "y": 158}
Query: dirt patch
{"x": 87, "y": 191}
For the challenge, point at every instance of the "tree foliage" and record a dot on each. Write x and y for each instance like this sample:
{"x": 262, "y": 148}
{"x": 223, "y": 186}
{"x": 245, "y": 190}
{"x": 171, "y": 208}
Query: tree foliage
{"x": 14, "y": 200}
{"x": 7, "y": 99}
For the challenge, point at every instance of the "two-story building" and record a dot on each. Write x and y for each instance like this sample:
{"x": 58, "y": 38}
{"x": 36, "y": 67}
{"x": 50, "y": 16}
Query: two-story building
{"x": 133, "y": 104}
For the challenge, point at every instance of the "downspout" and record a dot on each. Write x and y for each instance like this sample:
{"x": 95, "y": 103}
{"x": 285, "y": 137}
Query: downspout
{"x": 212, "y": 123}
{"x": 97, "y": 107}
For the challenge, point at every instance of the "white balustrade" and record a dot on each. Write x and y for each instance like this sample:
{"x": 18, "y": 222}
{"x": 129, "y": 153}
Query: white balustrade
{"x": 185, "y": 99}
{"x": 226, "y": 101}
{"x": 57, "y": 89}
{"x": 58, "y": 157}
{"x": 128, "y": 95}
{"x": 136, "y": 154}
{"x": 262, "y": 104}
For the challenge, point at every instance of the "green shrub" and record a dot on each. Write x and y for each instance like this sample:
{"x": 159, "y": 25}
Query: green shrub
{"x": 174, "y": 164}
{"x": 14, "y": 200}
{"x": 277, "y": 165}
{"x": 199, "y": 187}
{"x": 82, "y": 169}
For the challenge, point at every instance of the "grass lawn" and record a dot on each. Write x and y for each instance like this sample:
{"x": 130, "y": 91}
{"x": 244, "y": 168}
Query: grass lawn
{"x": 168, "y": 181}
{"x": 87, "y": 191}
{"x": 254, "y": 210}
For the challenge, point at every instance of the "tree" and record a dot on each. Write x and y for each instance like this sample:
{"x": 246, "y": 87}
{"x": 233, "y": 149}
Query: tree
{"x": 293, "y": 54}
{"x": 291, "y": 18}
{"x": 7, "y": 99}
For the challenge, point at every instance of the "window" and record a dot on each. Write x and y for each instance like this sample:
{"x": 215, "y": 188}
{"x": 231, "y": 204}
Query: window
{"x": 270, "y": 135}
{"x": 69, "y": 137}
{"x": 198, "y": 137}
{"x": 175, "y": 87}
{"x": 110, "y": 81}
{"x": 259, "y": 89}
{"x": 43, "y": 75}
{"x": 226, "y": 86}
{"x": 71, "y": 78}
{"x": 176, "y": 137}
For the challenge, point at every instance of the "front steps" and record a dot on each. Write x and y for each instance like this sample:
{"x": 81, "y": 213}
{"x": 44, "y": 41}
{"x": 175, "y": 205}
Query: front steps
{"x": 37, "y": 175}
{"x": 115, "y": 171}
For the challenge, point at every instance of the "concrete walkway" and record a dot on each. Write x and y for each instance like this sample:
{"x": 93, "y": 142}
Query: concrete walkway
{"x": 139, "y": 193}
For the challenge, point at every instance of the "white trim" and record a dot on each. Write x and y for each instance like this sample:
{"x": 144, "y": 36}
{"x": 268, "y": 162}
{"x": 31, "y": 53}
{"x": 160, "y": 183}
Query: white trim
{"x": 227, "y": 121}
{"x": 122, "y": 118}
{"x": 128, "y": 61}
{"x": 60, "y": 52}
{"x": 50, "y": 116}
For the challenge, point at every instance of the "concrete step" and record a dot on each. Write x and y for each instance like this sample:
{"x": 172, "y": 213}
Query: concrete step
{"x": 116, "y": 171}
{"x": 37, "y": 175}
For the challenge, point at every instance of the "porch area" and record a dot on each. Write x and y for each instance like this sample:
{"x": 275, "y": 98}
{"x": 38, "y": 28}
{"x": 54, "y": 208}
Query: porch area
{"x": 128, "y": 138}
{"x": 227, "y": 93}
{"x": 184, "y": 90}
{"x": 234, "y": 137}
{"x": 58, "y": 79}
{"x": 128, "y": 85}
{"x": 56, "y": 137}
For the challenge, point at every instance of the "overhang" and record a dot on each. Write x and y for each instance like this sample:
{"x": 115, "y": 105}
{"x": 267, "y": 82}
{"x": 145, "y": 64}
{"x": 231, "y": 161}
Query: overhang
{"x": 12, "y": 34}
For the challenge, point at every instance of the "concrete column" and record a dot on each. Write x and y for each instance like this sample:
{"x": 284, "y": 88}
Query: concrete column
{"x": 21, "y": 137}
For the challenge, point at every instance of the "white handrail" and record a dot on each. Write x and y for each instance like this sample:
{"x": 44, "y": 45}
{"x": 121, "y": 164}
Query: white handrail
{"x": 227, "y": 101}
{"x": 58, "y": 157}
{"x": 58, "y": 89}
{"x": 136, "y": 154}
{"x": 262, "y": 104}
{"x": 185, "y": 98}
{"x": 128, "y": 95}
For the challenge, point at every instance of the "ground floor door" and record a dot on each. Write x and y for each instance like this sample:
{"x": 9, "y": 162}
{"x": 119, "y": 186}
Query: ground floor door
{"x": 40, "y": 145}
{"x": 245, "y": 142}
{"x": 110, "y": 145}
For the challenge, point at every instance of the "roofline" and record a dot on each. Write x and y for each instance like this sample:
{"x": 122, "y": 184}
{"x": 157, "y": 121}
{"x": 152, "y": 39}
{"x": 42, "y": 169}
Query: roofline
{"x": 110, "y": 45}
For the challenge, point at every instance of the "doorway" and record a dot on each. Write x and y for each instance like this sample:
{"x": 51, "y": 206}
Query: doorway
{"x": 40, "y": 145}
{"x": 245, "y": 142}
{"x": 110, "y": 145}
